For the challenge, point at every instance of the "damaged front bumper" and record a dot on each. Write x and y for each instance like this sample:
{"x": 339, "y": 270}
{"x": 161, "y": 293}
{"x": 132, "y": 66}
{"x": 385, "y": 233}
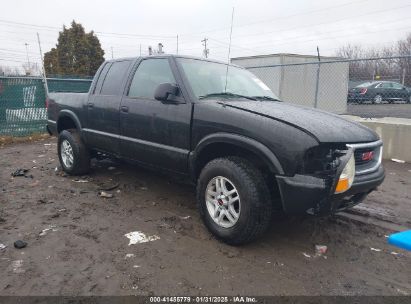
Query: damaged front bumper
{"x": 316, "y": 195}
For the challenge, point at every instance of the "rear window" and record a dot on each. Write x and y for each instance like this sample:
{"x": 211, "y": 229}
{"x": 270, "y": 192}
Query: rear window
{"x": 101, "y": 77}
{"x": 114, "y": 78}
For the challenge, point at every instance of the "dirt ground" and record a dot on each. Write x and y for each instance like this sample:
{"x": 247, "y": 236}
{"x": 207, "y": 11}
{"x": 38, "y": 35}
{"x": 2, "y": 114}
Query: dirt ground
{"x": 77, "y": 244}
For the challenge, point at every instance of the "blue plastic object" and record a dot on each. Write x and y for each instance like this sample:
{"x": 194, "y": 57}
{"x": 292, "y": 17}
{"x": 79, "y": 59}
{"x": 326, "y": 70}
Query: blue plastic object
{"x": 401, "y": 239}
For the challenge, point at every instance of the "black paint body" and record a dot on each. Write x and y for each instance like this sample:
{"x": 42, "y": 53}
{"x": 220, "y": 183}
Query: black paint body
{"x": 173, "y": 135}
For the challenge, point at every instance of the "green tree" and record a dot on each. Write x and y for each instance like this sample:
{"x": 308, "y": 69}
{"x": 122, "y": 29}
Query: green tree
{"x": 76, "y": 53}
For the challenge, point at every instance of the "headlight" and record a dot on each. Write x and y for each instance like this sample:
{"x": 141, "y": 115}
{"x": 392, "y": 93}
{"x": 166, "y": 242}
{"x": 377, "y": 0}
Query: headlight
{"x": 347, "y": 176}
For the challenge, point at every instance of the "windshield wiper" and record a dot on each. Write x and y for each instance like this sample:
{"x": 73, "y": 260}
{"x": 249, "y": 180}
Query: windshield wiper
{"x": 226, "y": 94}
{"x": 265, "y": 98}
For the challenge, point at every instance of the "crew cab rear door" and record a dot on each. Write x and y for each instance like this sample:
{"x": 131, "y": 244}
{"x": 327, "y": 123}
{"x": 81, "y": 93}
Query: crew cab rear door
{"x": 154, "y": 132}
{"x": 103, "y": 119}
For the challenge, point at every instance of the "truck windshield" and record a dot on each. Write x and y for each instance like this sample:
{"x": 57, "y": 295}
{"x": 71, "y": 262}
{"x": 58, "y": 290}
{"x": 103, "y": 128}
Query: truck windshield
{"x": 208, "y": 79}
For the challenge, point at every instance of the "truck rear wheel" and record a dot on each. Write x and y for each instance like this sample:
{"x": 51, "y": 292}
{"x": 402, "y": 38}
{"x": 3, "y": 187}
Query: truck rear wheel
{"x": 73, "y": 153}
{"x": 234, "y": 200}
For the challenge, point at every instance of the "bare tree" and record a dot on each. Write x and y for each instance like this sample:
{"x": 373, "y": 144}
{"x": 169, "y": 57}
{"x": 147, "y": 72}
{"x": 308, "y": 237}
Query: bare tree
{"x": 404, "y": 49}
{"x": 31, "y": 68}
{"x": 388, "y": 69}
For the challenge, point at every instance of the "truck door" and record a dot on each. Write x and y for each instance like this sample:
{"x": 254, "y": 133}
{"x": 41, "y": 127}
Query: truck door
{"x": 154, "y": 132}
{"x": 103, "y": 118}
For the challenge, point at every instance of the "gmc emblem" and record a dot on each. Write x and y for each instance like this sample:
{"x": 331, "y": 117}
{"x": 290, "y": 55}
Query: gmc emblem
{"x": 366, "y": 156}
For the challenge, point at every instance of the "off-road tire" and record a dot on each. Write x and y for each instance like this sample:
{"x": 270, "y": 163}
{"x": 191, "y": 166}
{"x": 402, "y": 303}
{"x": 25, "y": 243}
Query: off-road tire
{"x": 256, "y": 205}
{"x": 81, "y": 155}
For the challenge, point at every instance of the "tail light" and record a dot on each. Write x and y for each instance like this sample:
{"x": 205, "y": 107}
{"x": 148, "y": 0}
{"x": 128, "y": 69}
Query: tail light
{"x": 46, "y": 103}
{"x": 363, "y": 91}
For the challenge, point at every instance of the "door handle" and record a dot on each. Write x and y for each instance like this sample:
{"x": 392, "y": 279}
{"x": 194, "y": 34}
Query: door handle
{"x": 90, "y": 105}
{"x": 124, "y": 109}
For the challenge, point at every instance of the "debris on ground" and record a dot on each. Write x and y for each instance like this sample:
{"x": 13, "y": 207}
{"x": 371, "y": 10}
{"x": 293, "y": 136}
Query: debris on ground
{"x": 320, "y": 250}
{"x": 394, "y": 253}
{"x": 79, "y": 180}
{"x": 129, "y": 255}
{"x": 185, "y": 217}
{"x": 2, "y": 246}
{"x": 306, "y": 255}
{"x": 50, "y": 228}
{"x": 137, "y": 237}
{"x": 375, "y": 249}
{"x": 17, "y": 265}
{"x": 401, "y": 239}
{"x": 105, "y": 194}
{"x": 20, "y": 244}
{"x": 20, "y": 172}
{"x": 398, "y": 160}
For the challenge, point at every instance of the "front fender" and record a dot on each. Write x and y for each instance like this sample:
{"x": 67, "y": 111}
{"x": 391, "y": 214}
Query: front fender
{"x": 240, "y": 141}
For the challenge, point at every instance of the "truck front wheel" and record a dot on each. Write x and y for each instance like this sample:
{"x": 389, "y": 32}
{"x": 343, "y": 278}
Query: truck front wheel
{"x": 234, "y": 200}
{"x": 73, "y": 154}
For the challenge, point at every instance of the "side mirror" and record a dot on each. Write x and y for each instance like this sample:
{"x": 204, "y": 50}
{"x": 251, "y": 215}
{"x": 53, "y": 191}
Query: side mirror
{"x": 164, "y": 90}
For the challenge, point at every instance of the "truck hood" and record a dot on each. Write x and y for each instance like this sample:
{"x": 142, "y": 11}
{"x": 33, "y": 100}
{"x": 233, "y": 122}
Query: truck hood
{"x": 325, "y": 127}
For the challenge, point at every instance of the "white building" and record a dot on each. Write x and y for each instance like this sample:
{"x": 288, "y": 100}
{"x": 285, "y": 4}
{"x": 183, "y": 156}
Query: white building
{"x": 293, "y": 78}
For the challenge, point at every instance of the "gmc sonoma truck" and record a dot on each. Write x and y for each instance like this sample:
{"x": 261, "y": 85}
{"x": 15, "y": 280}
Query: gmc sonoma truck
{"x": 217, "y": 124}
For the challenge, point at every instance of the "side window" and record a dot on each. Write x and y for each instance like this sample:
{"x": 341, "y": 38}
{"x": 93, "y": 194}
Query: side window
{"x": 386, "y": 85}
{"x": 101, "y": 77}
{"x": 114, "y": 78}
{"x": 149, "y": 74}
{"x": 397, "y": 86}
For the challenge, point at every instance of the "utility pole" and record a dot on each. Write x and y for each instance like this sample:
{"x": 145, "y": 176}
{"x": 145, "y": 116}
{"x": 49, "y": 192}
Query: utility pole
{"x": 112, "y": 53}
{"x": 403, "y": 76}
{"x": 206, "y": 51}
{"x": 160, "y": 48}
{"x": 28, "y": 60}
{"x": 317, "y": 82}
{"x": 177, "y": 45}
{"x": 140, "y": 49}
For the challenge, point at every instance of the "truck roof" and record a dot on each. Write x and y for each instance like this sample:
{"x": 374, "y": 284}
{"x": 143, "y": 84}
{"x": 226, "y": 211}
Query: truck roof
{"x": 174, "y": 56}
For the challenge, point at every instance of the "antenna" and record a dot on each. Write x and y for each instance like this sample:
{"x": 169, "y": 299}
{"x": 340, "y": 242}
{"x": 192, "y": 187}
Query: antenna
{"x": 42, "y": 66}
{"x": 229, "y": 50}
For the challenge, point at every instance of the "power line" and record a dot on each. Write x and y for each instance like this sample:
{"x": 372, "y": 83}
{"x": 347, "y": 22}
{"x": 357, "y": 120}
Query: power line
{"x": 327, "y": 22}
{"x": 275, "y": 19}
{"x": 292, "y": 40}
{"x": 52, "y": 28}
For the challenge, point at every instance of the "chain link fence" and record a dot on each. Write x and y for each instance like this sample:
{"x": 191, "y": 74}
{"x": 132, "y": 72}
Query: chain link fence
{"x": 341, "y": 86}
{"x": 22, "y": 101}
{"x": 371, "y": 87}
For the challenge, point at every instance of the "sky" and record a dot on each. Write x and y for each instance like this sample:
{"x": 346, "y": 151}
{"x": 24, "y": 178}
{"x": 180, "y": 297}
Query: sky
{"x": 259, "y": 26}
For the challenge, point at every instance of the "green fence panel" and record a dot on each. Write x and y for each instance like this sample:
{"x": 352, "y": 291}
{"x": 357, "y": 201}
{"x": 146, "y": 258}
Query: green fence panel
{"x": 22, "y": 106}
{"x": 22, "y": 102}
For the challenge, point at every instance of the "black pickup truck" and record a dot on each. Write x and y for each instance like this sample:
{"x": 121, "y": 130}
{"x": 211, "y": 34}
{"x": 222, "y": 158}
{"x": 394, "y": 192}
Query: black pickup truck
{"x": 248, "y": 153}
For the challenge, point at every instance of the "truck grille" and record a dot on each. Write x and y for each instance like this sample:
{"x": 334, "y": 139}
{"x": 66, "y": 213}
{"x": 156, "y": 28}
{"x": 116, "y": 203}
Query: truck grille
{"x": 364, "y": 155}
{"x": 367, "y": 157}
